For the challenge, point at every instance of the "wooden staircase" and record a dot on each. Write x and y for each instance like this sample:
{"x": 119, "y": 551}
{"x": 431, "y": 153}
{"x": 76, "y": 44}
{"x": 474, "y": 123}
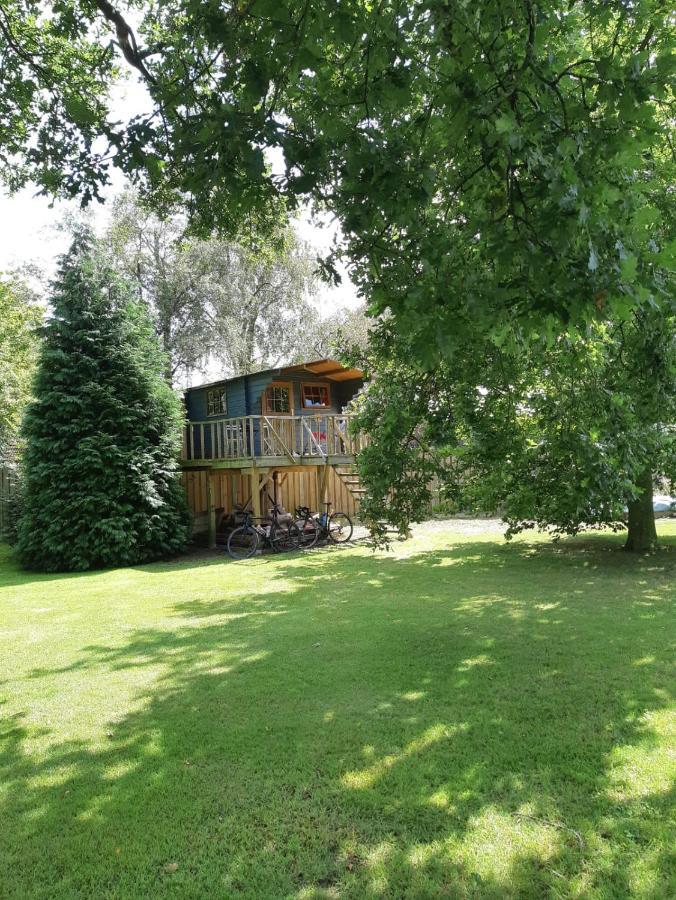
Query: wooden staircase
{"x": 349, "y": 475}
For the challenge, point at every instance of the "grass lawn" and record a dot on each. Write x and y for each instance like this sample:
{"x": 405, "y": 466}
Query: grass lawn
{"x": 459, "y": 717}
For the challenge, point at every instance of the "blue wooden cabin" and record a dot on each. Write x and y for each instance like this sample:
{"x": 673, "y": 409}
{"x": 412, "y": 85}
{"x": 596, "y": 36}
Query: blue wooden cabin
{"x": 318, "y": 392}
{"x": 289, "y": 421}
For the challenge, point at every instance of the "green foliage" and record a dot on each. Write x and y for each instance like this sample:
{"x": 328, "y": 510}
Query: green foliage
{"x": 56, "y": 73}
{"x": 14, "y": 510}
{"x": 245, "y": 304}
{"x": 486, "y": 160}
{"x": 555, "y": 435}
{"x": 397, "y": 465}
{"x": 19, "y": 321}
{"x": 101, "y": 483}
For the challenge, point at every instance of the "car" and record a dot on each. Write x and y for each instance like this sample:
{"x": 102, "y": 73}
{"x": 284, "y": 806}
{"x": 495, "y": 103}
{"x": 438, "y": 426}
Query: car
{"x": 664, "y": 505}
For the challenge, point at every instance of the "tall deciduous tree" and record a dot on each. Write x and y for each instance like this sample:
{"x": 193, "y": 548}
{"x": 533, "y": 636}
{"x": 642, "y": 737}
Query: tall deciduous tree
{"x": 338, "y": 331}
{"x": 101, "y": 482}
{"x": 20, "y": 317}
{"x": 495, "y": 159}
{"x": 245, "y": 305}
{"x": 563, "y": 434}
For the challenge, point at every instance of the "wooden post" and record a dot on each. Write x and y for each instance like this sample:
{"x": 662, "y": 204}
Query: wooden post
{"x": 256, "y": 493}
{"x": 211, "y": 511}
{"x": 322, "y": 479}
{"x": 234, "y": 485}
{"x": 325, "y": 482}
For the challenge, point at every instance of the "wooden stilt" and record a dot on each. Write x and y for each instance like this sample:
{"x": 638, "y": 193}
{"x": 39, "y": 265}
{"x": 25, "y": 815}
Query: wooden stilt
{"x": 211, "y": 511}
{"x": 322, "y": 480}
{"x": 318, "y": 481}
{"x": 234, "y": 488}
{"x": 256, "y": 493}
{"x": 265, "y": 481}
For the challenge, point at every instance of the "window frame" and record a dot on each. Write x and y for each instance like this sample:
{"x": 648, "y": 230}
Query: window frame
{"x": 315, "y": 384}
{"x": 223, "y": 402}
{"x": 264, "y": 400}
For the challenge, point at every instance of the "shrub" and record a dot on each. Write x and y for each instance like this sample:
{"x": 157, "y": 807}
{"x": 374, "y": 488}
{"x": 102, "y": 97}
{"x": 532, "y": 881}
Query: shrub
{"x": 101, "y": 481}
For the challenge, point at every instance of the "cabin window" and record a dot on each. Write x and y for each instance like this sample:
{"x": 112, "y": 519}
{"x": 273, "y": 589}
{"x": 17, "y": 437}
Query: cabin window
{"x": 278, "y": 398}
{"x": 216, "y": 402}
{"x": 315, "y": 396}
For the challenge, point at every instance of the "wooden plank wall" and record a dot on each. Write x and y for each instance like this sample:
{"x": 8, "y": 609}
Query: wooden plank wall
{"x": 300, "y": 489}
{"x": 294, "y": 489}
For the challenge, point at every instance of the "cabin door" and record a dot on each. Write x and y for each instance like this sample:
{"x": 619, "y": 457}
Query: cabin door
{"x": 278, "y": 431}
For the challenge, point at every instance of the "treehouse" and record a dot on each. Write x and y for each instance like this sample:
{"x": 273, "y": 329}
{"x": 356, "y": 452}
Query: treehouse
{"x": 282, "y": 434}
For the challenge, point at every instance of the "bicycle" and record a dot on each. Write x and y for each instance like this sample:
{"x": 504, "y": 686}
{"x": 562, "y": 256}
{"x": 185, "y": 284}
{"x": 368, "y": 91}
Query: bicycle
{"x": 243, "y": 542}
{"x": 337, "y": 527}
{"x": 236, "y": 516}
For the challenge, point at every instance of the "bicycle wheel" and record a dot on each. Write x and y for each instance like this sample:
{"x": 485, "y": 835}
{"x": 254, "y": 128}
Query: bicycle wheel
{"x": 284, "y": 537}
{"x": 309, "y": 532}
{"x": 243, "y": 542}
{"x": 339, "y": 527}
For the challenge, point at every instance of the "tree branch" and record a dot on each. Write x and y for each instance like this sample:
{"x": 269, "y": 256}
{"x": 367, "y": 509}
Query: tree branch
{"x": 126, "y": 39}
{"x": 5, "y": 28}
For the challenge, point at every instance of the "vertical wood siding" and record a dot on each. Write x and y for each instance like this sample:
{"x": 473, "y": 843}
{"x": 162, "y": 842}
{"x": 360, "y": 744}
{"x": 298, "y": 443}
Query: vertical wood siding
{"x": 293, "y": 489}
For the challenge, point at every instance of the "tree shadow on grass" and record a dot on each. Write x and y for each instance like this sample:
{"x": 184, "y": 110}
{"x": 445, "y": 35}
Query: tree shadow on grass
{"x": 482, "y": 721}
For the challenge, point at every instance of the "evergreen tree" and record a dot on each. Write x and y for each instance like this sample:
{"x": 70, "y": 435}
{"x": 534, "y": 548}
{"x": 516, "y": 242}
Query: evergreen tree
{"x": 101, "y": 483}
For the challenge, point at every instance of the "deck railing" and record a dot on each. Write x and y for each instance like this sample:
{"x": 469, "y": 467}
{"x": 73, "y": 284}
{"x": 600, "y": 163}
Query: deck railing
{"x": 290, "y": 437}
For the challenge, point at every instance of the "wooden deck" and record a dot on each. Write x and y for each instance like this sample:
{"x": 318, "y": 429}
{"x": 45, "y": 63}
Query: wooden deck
{"x": 270, "y": 442}
{"x": 230, "y": 461}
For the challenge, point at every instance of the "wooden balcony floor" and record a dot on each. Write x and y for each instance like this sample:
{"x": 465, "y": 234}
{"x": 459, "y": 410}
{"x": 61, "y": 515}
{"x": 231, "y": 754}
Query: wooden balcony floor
{"x": 267, "y": 462}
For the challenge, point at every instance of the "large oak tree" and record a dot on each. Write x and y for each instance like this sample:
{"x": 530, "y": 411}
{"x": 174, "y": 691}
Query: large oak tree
{"x": 562, "y": 434}
{"x": 484, "y": 159}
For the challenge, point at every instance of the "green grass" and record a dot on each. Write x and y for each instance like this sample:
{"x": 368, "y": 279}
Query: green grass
{"x": 458, "y": 717}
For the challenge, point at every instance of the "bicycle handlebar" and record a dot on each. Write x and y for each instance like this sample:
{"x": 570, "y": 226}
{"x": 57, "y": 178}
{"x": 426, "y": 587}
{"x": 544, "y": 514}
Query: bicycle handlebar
{"x": 303, "y": 510}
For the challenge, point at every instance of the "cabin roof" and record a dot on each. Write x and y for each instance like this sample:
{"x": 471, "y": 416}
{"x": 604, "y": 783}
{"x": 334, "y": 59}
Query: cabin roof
{"x": 331, "y": 369}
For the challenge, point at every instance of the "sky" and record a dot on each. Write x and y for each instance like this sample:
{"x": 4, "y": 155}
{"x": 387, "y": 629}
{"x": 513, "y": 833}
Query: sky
{"x": 29, "y": 232}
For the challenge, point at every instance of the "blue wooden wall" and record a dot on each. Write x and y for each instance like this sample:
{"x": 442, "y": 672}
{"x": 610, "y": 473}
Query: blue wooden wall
{"x": 244, "y": 395}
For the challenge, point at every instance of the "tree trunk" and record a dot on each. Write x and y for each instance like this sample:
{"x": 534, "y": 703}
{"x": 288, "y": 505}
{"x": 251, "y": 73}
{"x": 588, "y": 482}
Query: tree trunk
{"x": 165, "y": 340}
{"x": 642, "y": 534}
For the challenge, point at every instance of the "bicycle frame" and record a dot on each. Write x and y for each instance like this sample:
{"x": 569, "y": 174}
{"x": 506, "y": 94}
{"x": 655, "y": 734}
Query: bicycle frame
{"x": 322, "y": 520}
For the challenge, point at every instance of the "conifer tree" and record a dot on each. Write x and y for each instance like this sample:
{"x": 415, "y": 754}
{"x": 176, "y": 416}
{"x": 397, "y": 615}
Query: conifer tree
{"x": 101, "y": 482}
